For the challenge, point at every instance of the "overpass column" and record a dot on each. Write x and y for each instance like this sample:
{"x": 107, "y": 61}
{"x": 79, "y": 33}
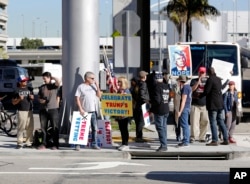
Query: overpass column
{"x": 80, "y": 48}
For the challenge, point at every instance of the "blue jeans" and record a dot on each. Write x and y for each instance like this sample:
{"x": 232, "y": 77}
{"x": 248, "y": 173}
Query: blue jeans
{"x": 217, "y": 117}
{"x": 183, "y": 121}
{"x": 93, "y": 124}
{"x": 161, "y": 127}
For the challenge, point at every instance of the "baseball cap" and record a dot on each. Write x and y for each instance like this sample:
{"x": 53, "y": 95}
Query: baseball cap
{"x": 202, "y": 69}
{"x": 143, "y": 73}
{"x": 182, "y": 78}
{"x": 22, "y": 78}
{"x": 231, "y": 83}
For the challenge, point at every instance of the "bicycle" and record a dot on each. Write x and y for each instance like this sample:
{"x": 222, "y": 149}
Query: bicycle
{"x": 8, "y": 123}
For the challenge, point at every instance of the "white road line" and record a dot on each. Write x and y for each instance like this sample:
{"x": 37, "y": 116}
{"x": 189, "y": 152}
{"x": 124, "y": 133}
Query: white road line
{"x": 123, "y": 173}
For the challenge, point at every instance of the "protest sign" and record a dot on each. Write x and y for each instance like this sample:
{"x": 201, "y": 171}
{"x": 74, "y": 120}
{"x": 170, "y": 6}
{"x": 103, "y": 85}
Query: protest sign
{"x": 116, "y": 104}
{"x": 79, "y": 130}
{"x": 145, "y": 114}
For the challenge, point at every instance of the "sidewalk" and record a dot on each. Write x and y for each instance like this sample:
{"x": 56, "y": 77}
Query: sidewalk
{"x": 141, "y": 150}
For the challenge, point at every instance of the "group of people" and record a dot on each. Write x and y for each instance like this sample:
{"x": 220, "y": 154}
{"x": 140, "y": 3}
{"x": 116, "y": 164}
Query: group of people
{"x": 49, "y": 98}
{"x": 207, "y": 105}
{"x": 202, "y": 99}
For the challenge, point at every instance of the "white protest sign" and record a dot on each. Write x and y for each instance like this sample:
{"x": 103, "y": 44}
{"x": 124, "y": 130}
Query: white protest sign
{"x": 222, "y": 69}
{"x": 79, "y": 130}
{"x": 145, "y": 114}
{"x": 104, "y": 134}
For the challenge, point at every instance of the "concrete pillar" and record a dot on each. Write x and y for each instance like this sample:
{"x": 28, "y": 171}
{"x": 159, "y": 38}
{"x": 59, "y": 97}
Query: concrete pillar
{"x": 80, "y": 48}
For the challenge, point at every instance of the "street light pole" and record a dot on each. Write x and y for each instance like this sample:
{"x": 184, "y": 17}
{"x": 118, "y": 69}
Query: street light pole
{"x": 159, "y": 37}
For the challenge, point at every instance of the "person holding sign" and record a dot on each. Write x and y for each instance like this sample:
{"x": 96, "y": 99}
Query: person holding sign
{"x": 143, "y": 97}
{"x": 123, "y": 121}
{"x": 87, "y": 102}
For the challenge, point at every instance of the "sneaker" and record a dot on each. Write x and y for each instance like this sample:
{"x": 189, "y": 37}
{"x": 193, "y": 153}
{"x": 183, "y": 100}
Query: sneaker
{"x": 212, "y": 143}
{"x": 181, "y": 145}
{"x": 162, "y": 149}
{"x": 123, "y": 148}
{"x": 19, "y": 147}
{"x": 77, "y": 148}
{"x": 192, "y": 140}
{"x": 96, "y": 147}
{"x": 28, "y": 146}
{"x": 231, "y": 140}
{"x": 41, "y": 147}
{"x": 202, "y": 141}
{"x": 54, "y": 148}
{"x": 225, "y": 143}
{"x": 139, "y": 140}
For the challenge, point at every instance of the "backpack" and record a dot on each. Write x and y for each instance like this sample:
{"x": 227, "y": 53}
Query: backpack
{"x": 38, "y": 137}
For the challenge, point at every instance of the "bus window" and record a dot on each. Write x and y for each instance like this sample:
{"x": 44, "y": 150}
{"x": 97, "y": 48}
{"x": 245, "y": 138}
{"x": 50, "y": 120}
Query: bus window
{"x": 203, "y": 55}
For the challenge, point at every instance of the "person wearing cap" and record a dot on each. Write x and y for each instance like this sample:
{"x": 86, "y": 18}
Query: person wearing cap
{"x": 22, "y": 99}
{"x": 230, "y": 107}
{"x": 215, "y": 107}
{"x": 198, "y": 116}
{"x": 184, "y": 110}
{"x": 160, "y": 108}
{"x": 143, "y": 97}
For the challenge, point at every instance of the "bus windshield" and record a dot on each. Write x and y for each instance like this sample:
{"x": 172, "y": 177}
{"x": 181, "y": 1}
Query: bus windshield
{"x": 203, "y": 55}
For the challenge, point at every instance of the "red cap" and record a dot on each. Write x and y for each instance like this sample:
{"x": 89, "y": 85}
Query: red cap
{"x": 202, "y": 69}
{"x": 231, "y": 83}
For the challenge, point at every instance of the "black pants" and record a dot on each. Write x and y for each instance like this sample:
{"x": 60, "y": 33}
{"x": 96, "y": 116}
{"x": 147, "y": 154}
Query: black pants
{"x": 123, "y": 126}
{"x": 139, "y": 123}
{"x": 49, "y": 119}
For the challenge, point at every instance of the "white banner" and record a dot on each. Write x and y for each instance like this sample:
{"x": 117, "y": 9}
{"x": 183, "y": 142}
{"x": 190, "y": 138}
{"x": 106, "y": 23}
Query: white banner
{"x": 145, "y": 114}
{"x": 79, "y": 130}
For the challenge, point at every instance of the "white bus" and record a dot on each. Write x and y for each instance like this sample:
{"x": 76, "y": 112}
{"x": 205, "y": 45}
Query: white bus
{"x": 203, "y": 53}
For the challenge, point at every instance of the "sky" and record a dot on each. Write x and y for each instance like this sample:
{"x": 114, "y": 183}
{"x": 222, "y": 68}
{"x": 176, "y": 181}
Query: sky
{"x": 42, "y": 18}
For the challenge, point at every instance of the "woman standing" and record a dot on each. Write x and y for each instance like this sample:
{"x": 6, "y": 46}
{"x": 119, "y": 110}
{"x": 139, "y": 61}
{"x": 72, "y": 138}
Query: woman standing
{"x": 123, "y": 121}
{"x": 230, "y": 106}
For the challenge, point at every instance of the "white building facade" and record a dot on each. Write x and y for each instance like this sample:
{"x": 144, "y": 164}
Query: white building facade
{"x": 3, "y": 23}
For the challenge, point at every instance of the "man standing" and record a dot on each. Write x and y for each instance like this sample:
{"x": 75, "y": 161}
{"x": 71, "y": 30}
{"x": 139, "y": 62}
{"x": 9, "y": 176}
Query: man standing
{"x": 215, "y": 105}
{"x": 143, "y": 97}
{"x": 87, "y": 102}
{"x": 160, "y": 109}
{"x": 23, "y": 98}
{"x": 198, "y": 115}
{"x": 184, "y": 110}
{"x": 49, "y": 117}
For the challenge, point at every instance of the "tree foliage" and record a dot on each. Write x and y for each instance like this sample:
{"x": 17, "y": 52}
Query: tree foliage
{"x": 27, "y": 43}
{"x": 182, "y": 12}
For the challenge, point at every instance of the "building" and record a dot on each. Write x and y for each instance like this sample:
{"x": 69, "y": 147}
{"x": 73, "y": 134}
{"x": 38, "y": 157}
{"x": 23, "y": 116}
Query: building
{"x": 3, "y": 23}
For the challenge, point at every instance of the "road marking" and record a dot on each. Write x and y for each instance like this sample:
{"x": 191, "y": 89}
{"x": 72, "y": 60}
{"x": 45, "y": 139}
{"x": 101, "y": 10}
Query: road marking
{"x": 97, "y": 165}
{"x": 122, "y": 173}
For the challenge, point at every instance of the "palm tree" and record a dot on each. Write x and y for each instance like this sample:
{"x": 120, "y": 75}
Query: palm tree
{"x": 183, "y": 11}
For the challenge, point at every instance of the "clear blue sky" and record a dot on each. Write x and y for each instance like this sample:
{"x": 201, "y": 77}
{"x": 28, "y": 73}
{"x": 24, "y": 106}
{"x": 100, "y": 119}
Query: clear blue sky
{"x": 43, "y": 17}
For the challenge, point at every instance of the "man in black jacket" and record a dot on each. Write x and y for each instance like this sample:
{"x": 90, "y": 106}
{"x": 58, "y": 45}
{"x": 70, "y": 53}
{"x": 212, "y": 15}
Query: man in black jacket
{"x": 214, "y": 105}
{"x": 160, "y": 109}
{"x": 143, "y": 97}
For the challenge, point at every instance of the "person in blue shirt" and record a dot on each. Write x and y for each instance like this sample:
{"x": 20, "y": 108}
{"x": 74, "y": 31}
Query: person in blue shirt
{"x": 184, "y": 110}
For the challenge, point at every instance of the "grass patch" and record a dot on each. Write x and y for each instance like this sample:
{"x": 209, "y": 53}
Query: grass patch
{"x": 115, "y": 126}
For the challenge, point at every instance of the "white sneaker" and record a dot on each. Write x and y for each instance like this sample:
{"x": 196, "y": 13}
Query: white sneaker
{"x": 123, "y": 148}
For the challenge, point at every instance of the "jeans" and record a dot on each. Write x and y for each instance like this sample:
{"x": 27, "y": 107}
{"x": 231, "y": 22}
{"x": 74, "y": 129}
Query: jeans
{"x": 161, "y": 127}
{"x": 93, "y": 124}
{"x": 183, "y": 121}
{"x": 217, "y": 117}
{"x": 50, "y": 118}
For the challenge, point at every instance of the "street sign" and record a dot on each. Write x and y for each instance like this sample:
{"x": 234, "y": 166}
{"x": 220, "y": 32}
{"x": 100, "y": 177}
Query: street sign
{"x": 127, "y": 22}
